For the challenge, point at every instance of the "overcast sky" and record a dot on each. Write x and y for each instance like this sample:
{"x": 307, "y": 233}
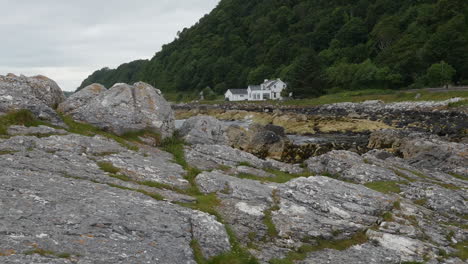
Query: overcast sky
{"x": 67, "y": 40}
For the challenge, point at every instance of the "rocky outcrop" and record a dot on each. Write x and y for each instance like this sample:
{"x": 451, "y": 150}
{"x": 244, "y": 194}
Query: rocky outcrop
{"x": 124, "y": 108}
{"x": 349, "y": 166}
{"x": 38, "y": 94}
{"x": 262, "y": 141}
{"x": 81, "y": 98}
{"x": 95, "y": 223}
{"x": 203, "y": 130}
{"x": 423, "y": 150}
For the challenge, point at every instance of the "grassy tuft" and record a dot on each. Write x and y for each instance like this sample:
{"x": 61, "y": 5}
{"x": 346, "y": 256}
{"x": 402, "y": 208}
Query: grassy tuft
{"x": 321, "y": 244}
{"x": 20, "y": 117}
{"x": 44, "y": 252}
{"x": 385, "y": 186}
{"x": 108, "y": 167}
{"x": 461, "y": 103}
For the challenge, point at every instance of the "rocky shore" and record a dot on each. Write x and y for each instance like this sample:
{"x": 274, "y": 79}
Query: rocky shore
{"x": 104, "y": 177}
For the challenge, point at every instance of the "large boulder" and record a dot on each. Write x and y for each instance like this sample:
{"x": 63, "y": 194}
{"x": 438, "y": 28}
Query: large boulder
{"x": 81, "y": 98}
{"x": 203, "y": 130}
{"x": 38, "y": 94}
{"x": 262, "y": 141}
{"x": 125, "y": 108}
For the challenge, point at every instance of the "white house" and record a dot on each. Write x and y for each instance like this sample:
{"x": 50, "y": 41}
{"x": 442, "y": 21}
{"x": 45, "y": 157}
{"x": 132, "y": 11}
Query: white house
{"x": 268, "y": 90}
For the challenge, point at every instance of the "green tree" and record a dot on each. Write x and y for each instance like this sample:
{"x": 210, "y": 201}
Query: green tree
{"x": 440, "y": 74}
{"x": 304, "y": 75}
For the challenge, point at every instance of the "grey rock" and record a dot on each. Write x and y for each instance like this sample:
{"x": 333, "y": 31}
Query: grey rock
{"x": 359, "y": 254}
{"x": 321, "y": 207}
{"x": 153, "y": 169}
{"x": 81, "y": 98}
{"x": 98, "y": 223}
{"x": 203, "y": 130}
{"x": 252, "y": 171}
{"x": 350, "y": 166}
{"x": 438, "y": 198}
{"x": 206, "y": 157}
{"x": 40, "y": 130}
{"x": 407, "y": 248}
{"x": 38, "y": 94}
{"x": 128, "y": 108}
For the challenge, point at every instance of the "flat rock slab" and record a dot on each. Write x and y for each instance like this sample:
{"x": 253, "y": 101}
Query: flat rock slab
{"x": 99, "y": 224}
{"x": 38, "y": 131}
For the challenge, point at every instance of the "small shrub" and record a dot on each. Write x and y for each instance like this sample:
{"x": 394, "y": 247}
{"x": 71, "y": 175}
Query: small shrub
{"x": 108, "y": 167}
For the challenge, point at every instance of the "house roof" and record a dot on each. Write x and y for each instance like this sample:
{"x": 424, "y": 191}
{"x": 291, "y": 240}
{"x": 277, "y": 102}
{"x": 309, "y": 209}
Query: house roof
{"x": 238, "y": 91}
{"x": 269, "y": 84}
{"x": 255, "y": 87}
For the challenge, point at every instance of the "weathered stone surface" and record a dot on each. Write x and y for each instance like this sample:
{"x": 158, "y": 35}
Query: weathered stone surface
{"x": 262, "y": 141}
{"x": 38, "y": 94}
{"x": 350, "y": 166}
{"x": 438, "y": 198}
{"x": 155, "y": 169}
{"x": 359, "y": 254}
{"x": 203, "y": 130}
{"x": 207, "y": 157}
{"x": 98, "y": 223}
{"x": 81, "y": 98}
{"x": 423, "y": 150}
{"x": 252, "y": 171}
{"x": 128, "y": 108}
{"x": 407, "y": 248}
{"x": 40, "y": 131}
{"x": 321, "y": 207}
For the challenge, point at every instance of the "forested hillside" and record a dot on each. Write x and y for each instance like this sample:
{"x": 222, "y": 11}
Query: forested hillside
{"x": 315, "y": 45}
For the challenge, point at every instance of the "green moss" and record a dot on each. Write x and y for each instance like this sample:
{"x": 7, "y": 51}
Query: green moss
{"x": 244, "y": 163}
{"x": 401, "y": 174}
{"x": 20, "y": 117}
{"x": 387, "y": 216}
{"x": 272, "y": 232}
{"x": 44, "y": 252}
{"x": 385, "y": 186}
{"x": 108, "y": 167}
{"x": 397, "y": 205}
{"x": 7, "y": 152}
{"x": 462, "y": 250}
{"x": 461, "y": 103}
{"x": 420, "y": 202}
{"x": 321, "y": 244}
{"x": 155, "y": 196}
{"x": 461, "y": 177}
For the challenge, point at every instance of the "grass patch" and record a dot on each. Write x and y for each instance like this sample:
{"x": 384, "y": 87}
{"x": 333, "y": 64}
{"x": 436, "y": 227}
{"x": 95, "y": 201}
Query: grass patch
{"x": 7, "y": 152}
{"x": 46, "y": 253}
{"x": 21, "y": 118}
{"x": 150, "y": 194}
{"x": 321, "y": 244}
{"x": 402, "y": 175}
{"x": 108, "y": 167}
{"x": 461, "y": 103}
{"x": 462, "y": 250}
{"x": 420, "y": 202}
{"x": 267, "y": 220}
{"x": 387, "y": 217}
{"x": 458, "y": 176}
{"x": 245, "y": 163}
{"x": 385, "y": 186}
{"x": 175, "y": 146}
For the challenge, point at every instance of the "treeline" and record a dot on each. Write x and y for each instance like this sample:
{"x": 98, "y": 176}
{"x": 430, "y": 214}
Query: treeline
{"x": 314, "y": 45}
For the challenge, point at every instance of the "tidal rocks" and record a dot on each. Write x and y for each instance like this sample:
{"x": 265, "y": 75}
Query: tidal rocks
{"x": 350, "y": 166}
{"x": 203, "y": 130}
{"x": 38, "y": 94}
{"x": 125, "y": 108}
{"x": 423, "y": 150}
{"x": 262, "y": 141}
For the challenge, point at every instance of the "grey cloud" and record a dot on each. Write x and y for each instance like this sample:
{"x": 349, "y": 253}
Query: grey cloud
{"x": 68, "y": 40}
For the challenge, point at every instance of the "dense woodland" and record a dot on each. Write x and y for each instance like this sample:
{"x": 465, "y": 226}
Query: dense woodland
{"x": 317, "y": 46}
